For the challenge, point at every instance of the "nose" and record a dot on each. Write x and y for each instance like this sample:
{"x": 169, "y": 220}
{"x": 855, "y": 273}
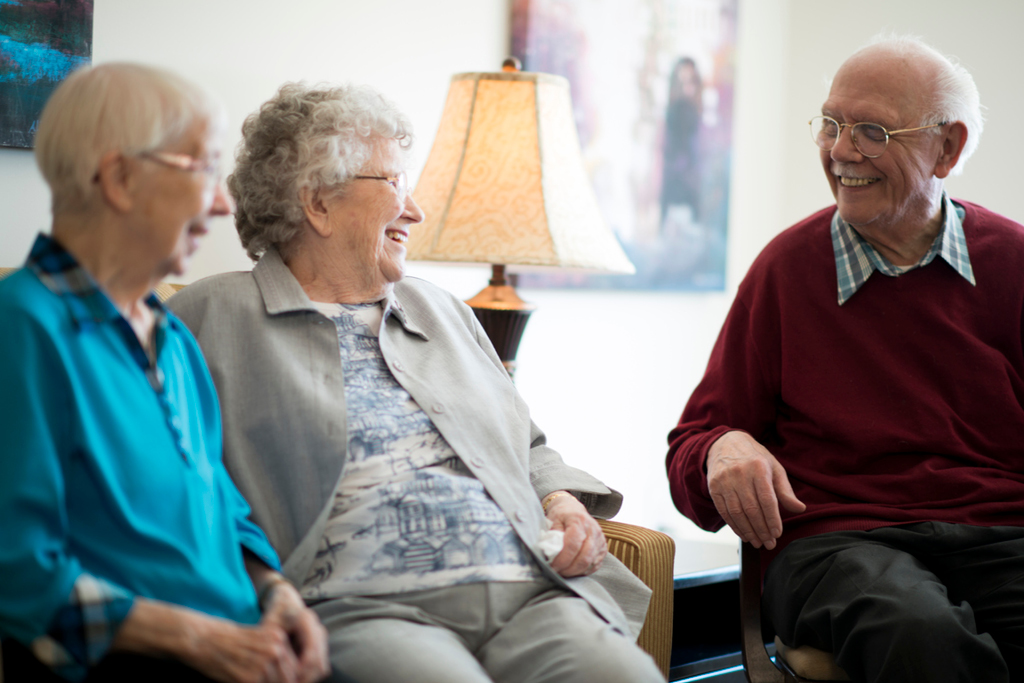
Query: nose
{"x": 413, "y": 213}
{"x": 222, "y": 204}
{"x": 845, "y": 149}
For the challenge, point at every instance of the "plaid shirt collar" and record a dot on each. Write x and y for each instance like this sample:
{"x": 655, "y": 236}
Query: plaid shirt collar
{"x": 62, "y": 275}
{"x": 856, "y": 260}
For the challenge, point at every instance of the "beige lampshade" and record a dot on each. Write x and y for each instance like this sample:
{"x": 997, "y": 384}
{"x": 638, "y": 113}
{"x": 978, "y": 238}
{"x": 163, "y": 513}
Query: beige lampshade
{"x": 505, "y": 182}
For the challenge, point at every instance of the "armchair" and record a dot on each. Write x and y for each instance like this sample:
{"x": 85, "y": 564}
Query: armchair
{"x": 648, "y": 554}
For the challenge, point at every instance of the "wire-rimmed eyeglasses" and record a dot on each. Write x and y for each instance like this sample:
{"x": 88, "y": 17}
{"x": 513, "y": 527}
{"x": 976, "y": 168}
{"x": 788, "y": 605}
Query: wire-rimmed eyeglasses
{"x": 400, "y": 182}
{"x": 870, "y": 139}
{"x": 186, "y": 162}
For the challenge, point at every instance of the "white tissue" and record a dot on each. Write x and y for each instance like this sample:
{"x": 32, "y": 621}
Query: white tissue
{"x": 550, "y": 543}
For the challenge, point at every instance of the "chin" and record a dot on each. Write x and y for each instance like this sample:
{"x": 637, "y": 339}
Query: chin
{"x": 393, "y": 272}
{"x": 177, "y": 266}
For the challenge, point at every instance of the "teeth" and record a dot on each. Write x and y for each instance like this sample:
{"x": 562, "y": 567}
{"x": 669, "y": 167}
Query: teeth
{"x": 856, "y": 182}
{"x": 396, "y": 236}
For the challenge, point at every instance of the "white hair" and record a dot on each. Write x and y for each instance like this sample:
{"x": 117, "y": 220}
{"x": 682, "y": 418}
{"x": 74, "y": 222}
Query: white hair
{"x": 129, "y": 108}
{"x": 954, "y": 95}
{"x": 305, "y": 138}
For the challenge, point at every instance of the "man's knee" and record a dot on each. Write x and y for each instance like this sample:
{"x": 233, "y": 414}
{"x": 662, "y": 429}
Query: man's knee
{"x": 889, "y": 631}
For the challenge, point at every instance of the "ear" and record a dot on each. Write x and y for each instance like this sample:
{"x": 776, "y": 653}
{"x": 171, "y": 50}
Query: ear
{"x": 317, "y": 213}
{"x": 115, "y": 182}
{"x": 952, "y": 147}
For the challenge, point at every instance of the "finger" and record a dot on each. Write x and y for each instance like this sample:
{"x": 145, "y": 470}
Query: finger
{"x": 759, "y": 504}
{"x": 289, "y": 665}
{"x": 572, "y": 542}
{"x": 733, "y": 510}
{"x": 723, "y": 510}
{"x": 584, "y": 560}
{"x": 312, "y": 637}
{"x": 784, "y": 490}
{"x": 597, "y": 546}
{"x": 282, "y": 664}
{"x": 769, "y": 522}
{"x": 317, "y": 665}
{"x": 602, "y": 552}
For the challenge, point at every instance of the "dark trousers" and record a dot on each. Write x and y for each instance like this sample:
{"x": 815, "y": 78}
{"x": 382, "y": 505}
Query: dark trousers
{"x": 21, "y": 666}
{"x": 921, "y": 602}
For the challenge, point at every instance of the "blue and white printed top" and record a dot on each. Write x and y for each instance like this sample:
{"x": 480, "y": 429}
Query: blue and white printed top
{"x": 407, "y": 515}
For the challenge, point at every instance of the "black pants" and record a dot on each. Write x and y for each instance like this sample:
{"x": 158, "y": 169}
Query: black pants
{"x": 921, "y": 602}
{"x": 21, "y": 666}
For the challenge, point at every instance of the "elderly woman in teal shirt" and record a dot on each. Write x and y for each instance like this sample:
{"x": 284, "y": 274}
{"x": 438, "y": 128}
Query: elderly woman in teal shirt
{"x": 124, "y": 542}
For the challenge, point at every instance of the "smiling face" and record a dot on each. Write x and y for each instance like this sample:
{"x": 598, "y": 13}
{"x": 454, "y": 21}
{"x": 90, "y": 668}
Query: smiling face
{"x": 900, "y": 191}
{"x": 177, "y": 204}
{"x": 369, "y": 222}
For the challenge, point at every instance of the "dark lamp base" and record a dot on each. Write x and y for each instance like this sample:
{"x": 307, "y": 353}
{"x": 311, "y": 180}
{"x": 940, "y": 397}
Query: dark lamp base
{"x": 503, "y": 315}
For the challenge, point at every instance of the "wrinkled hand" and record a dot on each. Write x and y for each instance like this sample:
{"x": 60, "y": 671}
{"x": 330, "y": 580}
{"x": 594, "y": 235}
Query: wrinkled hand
{"x": 747, "y": 484}
{"x": 218, "y": 648}
{"x": 584, "y": 545}
{"x": 286, "y": 610}
{"x": 225, "y": 651}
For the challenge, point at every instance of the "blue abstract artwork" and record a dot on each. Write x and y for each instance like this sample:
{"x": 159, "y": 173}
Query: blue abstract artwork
{"x": 41, "y": 42}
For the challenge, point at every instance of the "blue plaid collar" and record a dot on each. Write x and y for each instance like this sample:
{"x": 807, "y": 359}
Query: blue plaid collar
{"x": 60, "y": 272}
{"x": 856, "y": 260}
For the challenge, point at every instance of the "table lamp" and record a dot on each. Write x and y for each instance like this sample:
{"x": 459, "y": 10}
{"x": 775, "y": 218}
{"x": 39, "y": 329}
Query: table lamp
{"x": 505, "y": 184}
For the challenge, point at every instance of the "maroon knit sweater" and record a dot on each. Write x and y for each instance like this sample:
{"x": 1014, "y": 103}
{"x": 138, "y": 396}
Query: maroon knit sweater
{"x": 905, "y": 404}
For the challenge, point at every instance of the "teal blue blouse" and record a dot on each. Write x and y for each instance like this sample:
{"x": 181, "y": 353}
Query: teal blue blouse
{"x": 111, "y": 481}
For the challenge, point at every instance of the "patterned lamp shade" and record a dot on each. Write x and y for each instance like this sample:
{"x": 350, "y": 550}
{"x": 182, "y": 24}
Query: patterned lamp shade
{"x": 505, "y": 181}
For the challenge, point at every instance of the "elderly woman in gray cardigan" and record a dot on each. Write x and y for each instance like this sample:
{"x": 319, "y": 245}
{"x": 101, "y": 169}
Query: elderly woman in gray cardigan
{"x": 380, "y": 442}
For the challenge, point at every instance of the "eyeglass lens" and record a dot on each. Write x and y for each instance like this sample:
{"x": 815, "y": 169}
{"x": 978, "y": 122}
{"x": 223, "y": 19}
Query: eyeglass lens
{"x": 870, "y": 139}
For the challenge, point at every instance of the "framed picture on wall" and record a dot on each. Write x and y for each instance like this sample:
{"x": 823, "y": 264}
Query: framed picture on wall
{"x": 652, "y": 90}
{"x": 41, "y": 42}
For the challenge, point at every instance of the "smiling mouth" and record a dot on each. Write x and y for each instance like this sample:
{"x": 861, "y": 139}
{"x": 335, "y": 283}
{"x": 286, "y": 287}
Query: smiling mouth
{"x": 396, "y": 236}
{"x": 856, "y": 182}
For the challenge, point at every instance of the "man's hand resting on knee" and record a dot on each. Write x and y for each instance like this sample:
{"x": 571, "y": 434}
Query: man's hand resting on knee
{"x": 747, "y": 484}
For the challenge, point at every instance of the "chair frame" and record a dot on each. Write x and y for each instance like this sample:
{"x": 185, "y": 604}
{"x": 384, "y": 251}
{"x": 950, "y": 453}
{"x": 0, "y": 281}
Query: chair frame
{"x": 757, "y": 663}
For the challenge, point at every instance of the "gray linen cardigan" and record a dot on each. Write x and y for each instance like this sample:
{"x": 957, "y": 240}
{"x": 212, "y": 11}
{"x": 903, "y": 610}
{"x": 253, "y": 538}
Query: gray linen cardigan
{"x": 277, "y": 367}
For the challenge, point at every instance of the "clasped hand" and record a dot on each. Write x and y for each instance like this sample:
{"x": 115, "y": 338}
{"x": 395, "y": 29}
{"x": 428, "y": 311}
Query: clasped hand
{"x": 747, "y": 485}
{"x": 584, "y": 545}
{"x": 289, "y": 645}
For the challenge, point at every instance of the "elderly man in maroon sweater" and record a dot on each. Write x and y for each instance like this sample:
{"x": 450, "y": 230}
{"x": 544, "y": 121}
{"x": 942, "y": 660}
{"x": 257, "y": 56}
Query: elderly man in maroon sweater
{"x": 866, "y": 429}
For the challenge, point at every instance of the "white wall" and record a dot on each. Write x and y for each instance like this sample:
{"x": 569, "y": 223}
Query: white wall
{"x": 607, "y": 394}
{"x": 984, "y": 35}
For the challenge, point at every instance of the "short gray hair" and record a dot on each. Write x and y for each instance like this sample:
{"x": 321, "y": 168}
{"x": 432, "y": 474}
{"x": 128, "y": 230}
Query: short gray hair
{"x": 122, "y": 107}
{"x": 954, "y": 93}
{"x": 304, "y": 139}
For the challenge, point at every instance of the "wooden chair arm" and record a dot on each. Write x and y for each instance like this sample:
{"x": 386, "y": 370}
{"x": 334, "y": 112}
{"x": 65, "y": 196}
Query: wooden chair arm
{"x": 756, "y": 662}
